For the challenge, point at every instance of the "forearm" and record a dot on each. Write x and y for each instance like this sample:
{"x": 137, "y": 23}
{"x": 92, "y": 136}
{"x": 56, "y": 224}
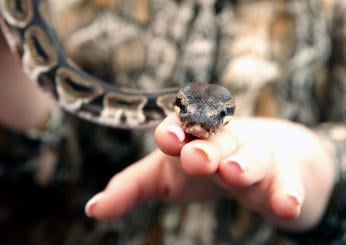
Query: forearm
{"x": 22, "y": 104}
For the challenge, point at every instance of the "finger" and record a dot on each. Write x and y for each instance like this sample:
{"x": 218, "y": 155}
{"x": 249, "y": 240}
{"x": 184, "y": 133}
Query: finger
{"x": 248, "y": 165}
{"x": 255, "y": 197}
{"x": 201, "y": 157}
{"x": 137, "y": 183}
{"x": 287, "y": 193}
{"x": 169, "y": 136}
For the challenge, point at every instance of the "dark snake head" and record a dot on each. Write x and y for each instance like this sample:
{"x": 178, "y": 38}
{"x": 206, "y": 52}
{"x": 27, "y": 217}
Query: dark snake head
{"x": 204, "y": 107}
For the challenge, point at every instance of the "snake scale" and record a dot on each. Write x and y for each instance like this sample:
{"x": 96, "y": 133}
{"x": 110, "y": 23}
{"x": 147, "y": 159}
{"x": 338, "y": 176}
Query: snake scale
{"x": 31, "y": 35}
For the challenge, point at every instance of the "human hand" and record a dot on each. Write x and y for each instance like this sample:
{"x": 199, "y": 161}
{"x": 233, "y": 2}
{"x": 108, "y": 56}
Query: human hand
{"x": 23, "y": 105}
{"x": 277, "y": 168}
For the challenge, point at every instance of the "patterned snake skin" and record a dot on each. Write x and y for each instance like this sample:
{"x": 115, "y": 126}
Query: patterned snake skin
{"x": 31, "y": 35}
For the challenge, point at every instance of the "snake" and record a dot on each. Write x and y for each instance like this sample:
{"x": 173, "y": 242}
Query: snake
{"x": 32, "y": 38}
{"x": 204, "y": 108}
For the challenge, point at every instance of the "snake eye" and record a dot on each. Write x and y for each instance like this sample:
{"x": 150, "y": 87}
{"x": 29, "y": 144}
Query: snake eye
{"x": 180, "y": 105}
{"x": 226, "y": 115}
{"x": 228, "y": 111}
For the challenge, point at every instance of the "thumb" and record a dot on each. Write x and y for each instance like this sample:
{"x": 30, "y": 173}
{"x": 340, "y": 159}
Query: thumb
{"x": 137, "y": 183}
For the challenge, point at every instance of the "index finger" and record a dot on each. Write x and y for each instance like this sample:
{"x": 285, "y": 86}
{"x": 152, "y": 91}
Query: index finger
{"x": 170, "y": 137}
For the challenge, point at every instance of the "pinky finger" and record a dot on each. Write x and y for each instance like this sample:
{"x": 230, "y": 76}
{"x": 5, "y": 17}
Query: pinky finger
{"x": 287, "y": 194}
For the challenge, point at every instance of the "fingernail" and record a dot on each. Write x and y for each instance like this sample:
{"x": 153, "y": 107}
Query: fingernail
{"x": 203, "y": 150}
{"x": 91, "y": 204}
{"x": 177, "y": 132}
{"x": 294, "y": 196}
{"x": 236, "y": 161}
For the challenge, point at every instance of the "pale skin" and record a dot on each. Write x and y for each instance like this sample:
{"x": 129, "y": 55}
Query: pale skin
{"x": 277, "y": 168}
{"x": 280, "y": 169}
{"x": 22, "y": 104}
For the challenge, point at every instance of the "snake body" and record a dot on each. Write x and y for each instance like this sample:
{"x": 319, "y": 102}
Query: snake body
{"x": 29, "y": 30}
{"x": 34, "y": 40}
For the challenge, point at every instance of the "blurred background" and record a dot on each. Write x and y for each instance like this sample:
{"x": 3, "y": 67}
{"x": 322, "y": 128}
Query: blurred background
{"x": 267, "y": 52}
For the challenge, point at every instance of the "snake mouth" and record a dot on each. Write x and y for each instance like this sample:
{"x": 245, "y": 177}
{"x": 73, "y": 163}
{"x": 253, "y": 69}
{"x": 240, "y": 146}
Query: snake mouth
{"x": 198, "y": 130}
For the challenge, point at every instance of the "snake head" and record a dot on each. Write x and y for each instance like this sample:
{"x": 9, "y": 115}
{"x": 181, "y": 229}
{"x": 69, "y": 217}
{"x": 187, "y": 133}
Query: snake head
{"x": 203, "y": 108}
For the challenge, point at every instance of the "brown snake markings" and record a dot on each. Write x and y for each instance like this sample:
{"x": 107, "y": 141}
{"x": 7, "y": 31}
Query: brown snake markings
{"x": 78, "y": 92}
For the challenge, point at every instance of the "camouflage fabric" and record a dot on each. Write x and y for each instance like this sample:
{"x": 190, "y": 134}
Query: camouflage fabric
{"x": 281, "y": 59}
